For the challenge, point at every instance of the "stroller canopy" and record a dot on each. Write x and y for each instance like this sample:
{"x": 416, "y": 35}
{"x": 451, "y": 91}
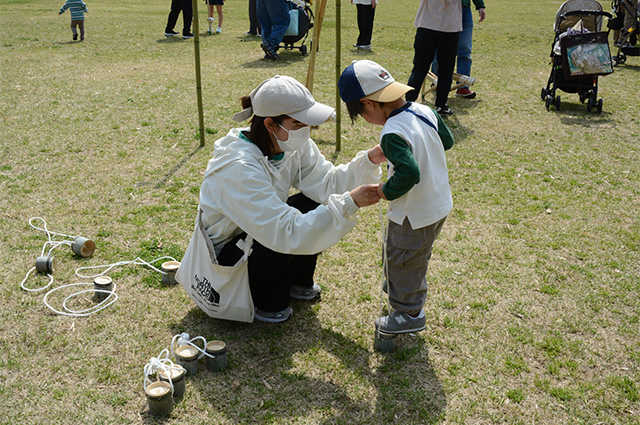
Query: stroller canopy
{"x": 592, "y": 22}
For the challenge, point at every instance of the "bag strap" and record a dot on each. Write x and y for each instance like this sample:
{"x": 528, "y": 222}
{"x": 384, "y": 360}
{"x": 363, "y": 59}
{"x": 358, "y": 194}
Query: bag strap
{"x": 244, "y": 245}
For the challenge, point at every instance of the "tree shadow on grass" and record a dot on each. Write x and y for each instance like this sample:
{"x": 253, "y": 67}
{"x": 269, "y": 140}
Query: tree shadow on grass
{"x": 278, "y": 373}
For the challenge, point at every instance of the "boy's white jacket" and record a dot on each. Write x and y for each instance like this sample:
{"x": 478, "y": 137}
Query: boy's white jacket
{"x": 242, "y": 191}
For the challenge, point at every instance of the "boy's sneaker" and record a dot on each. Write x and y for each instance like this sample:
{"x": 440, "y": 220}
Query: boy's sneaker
{"x": 444, "y": 110}
{"x": 218, "y": 30}
{"x": 187, "y": 35}
{"x": 273, "y": 317}
{"x": 75, "y": 37}
{"x": 170, "y": 33}
{"x": 400, "y": 323}
{"x": 466, "y": 93}
{"x": 304, "y": 293}
{"x": 362, "y": 46}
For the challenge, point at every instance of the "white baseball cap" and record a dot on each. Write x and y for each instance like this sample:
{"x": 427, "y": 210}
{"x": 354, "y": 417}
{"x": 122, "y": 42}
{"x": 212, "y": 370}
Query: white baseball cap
{"x": 282, "y": 95}
{"x": 365, "y": 78}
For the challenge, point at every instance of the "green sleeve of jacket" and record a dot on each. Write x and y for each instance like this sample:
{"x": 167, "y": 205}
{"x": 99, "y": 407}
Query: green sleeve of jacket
{"x": 406, "y": 172}
{"x": 444, "y": 132}
{"x": 479, "y": 4}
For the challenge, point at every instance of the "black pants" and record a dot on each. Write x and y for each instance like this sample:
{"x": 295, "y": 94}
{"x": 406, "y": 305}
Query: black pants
{"x": 426, "y": 43}
{"x": 272, "y": 273}
{"x": 366, "y": 14}
{"x": 254, "y": 24}
{"x": 177, "y": 6}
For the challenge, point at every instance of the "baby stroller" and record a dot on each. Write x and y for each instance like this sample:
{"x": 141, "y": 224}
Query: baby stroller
{"x": 579, "y": 53}
{"x": 626, "y": 44}
{"x": 299, "y": 26}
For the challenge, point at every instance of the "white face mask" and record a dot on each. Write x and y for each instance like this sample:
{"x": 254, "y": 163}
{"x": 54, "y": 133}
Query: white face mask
{"x": 297, "y": 138}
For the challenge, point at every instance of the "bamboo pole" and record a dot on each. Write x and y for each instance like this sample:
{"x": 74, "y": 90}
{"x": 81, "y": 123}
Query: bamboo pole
{"x": 338, "y": 69}
{"x": 196, "y": 51}
{"x": 315, "y": 42}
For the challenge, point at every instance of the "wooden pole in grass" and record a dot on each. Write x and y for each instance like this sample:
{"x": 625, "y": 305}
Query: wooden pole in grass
{"x": 338, "y": 69}
{"x": 196, "y": 51}
{"x": 315, "y": 42}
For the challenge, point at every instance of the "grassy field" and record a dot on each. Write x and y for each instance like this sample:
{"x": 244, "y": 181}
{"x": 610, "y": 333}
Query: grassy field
{"x": 534, "y": 307}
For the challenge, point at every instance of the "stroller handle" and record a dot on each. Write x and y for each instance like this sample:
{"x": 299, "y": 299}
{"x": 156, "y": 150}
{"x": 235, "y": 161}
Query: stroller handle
{"x": 585, "y": 12}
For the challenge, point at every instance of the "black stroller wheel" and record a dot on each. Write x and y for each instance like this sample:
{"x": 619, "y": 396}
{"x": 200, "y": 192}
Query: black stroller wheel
{"x": 599, "y": 105}
{"x": 590, "y": 104}
{"x": 547, "y": 102}
{"x": 303, "y": 50}
{"x": 544, "y": 93}
{"x": 557, "y": 103}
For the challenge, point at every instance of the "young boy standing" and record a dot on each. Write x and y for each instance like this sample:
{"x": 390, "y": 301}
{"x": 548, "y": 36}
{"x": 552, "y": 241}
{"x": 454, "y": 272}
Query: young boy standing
{"x": 77, "y": 8}
{"x": 413, "y": 139}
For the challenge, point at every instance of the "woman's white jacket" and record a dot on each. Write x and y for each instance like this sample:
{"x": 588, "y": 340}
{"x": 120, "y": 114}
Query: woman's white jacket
{"x": 243, "y": 191}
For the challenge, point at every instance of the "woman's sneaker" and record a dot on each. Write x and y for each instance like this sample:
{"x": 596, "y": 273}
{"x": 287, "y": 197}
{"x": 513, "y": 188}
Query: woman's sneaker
{"x": 444, "y": 110}
{"x": 304, "y": 293}
{"x": 400, "y": 323}
{"x": 273, "y": 317}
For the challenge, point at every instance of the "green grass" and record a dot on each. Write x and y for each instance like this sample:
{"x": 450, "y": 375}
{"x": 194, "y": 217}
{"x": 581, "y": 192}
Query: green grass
{"x": 533, "y": 307}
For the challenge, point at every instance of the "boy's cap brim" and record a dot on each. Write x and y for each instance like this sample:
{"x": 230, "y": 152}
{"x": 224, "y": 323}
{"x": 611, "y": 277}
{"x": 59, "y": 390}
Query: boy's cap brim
{"x": 392, "y": 92}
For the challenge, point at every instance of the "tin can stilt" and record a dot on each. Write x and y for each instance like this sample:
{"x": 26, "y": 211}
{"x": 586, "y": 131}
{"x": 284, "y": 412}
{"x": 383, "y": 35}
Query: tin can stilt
{"x": 187, "y": 357}
{"x": 159, "y": 398}
{"x": 384, "y": 343}
{"x": 177, "y": 379}
{"x": 217, "y": 349}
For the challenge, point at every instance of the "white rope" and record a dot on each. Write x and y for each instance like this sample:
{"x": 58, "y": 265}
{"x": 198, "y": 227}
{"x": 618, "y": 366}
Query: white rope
{"x": 184, "y": 339}
{"x": 163, "y": 364}
{"x": 138, "y": 261}
{"x": 47, "y": 231}
{"x": 385, "y": 267}
{"x": 35, "y": 289}
{"x": 88, "y": 311}
{"x": 54, "y": 245}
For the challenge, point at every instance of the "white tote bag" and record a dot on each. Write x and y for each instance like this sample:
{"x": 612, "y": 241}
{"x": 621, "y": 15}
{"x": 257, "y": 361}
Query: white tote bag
{"x": 220, "y": 291}
{"x": 292, "y": 29}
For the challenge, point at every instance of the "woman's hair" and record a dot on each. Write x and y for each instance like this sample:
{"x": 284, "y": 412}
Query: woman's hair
{"x": 258, "y": 133}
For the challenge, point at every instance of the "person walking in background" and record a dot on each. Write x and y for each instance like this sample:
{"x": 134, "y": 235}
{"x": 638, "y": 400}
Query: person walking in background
{"x": 254, "y": 24}
{"x": 438, "y": 26}
{"x": 77, "y": 9}
{"x": 464, "y": 44}
{"x": 274, "y": 21}
{"x": 177, "y": 6}
{"x": 211, "y": 20}
{"x": 413, "y": 140}
{"x": 366, "y": 10}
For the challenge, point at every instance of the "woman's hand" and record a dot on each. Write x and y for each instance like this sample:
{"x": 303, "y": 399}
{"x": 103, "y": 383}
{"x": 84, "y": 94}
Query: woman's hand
{"x": 380, "y": 192}
{"x": 365, "y": 195}
{"x": 375, "y": 155}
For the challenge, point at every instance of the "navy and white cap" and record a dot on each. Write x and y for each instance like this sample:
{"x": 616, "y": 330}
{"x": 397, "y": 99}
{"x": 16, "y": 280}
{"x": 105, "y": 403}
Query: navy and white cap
{"x": 282, "y": 95}
{"x": 367, "y": 79}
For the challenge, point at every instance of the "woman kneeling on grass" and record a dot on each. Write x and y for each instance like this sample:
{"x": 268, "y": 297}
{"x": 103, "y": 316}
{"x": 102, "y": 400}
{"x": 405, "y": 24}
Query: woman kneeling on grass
{"x": 246, "y": 192}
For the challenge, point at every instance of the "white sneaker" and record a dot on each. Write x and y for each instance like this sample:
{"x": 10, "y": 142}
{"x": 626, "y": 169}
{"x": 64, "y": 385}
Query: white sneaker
{"x": 219, "y": 30}
{"x": 273, "y": 317}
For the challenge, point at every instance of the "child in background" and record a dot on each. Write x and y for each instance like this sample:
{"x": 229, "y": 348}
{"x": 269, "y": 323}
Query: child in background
{"x": 412, "y": 139}
{"x": 218, "y": 4}
{"x": 77, "y": 8}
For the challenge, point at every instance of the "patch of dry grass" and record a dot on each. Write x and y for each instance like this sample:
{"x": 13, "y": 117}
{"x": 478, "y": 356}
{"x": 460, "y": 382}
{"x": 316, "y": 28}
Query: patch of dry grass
{"x": 533, "y": 310}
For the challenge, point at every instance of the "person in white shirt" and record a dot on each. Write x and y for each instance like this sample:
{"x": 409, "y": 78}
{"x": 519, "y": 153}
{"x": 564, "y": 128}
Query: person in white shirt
{"x": 246, "y": 187}
{"x": 366, "y": 12}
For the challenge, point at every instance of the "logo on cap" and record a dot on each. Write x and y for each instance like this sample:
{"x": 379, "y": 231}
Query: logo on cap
{"x": 384, "y": 75}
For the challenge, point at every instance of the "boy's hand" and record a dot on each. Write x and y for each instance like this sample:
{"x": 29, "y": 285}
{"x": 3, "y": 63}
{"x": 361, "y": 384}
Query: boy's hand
{"x": 375, "y": 155}
{"x": 365, "y": 195}
{"x": 59, "y": 13}
{"x": 380, "y": 192}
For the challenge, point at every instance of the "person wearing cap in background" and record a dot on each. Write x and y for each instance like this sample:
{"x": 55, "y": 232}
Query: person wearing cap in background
{"x": 246, "y": 192}
{"x": 438, "y": 26}
{"x": 413, "y": 139}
